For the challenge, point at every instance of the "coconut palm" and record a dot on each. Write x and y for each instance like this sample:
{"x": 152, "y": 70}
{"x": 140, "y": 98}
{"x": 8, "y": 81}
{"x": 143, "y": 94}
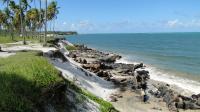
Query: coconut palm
{"x": 2, "y": 18}
{"x": 32, "y": 17}
{"x": 15, "y": 16}
{"x": 7, "y": 6}
{"x": 52, "y": 10}
{"x": 24, "y": 5}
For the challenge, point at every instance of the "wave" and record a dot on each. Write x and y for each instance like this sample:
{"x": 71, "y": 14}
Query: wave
{"x": 189, "y": 86}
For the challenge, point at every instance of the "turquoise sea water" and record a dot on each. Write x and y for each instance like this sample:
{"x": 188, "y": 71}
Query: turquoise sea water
{"x": 177, "y": 54}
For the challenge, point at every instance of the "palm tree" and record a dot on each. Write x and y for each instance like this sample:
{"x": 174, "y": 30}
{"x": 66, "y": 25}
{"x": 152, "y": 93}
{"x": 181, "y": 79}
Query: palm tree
{"x": 24, "y": 5}
{"x": 2, "y": 19}
{"x": 45, "y": 24}
{"x": 52, "y": 12}
{"x": 15, "y": 17}
{"x": 7, "y": 6}
{"x": 40, "y": 20}
{"x": 32, "y": 17}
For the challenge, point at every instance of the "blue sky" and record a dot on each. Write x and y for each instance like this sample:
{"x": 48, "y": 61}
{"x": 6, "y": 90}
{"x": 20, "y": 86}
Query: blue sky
{"x": 128, "y": 16}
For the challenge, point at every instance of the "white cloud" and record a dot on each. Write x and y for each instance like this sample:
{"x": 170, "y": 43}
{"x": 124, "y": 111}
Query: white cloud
{"x": 87, "y": 26}
{"x": 185, "y": 24}
{"x": 64, "y": 23}
{"x": 173, "y": 23}
{"x": 83, "y": 25}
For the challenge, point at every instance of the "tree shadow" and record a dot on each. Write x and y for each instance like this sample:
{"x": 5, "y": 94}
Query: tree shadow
{"x": 17, "y": 93}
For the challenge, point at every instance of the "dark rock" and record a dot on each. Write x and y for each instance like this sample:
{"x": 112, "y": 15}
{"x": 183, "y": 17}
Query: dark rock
{"x": 115, "y": 81}
{"x": 179, "y": 105}
{"x": 122, "y": 80}
{"x": 117, "y": 95}
{"x": 79, "y": 60}
{"x": 103, "y": 74}
{"x": 190, "y": 105}
{"x": 84, "y": 61}
{"x": 185, "y": 98}
{"x": 113, "y": 99}
{"x": 138, "y": 66}
{"x": 110, "y": 59}
{"x": 93, "y": 67}
{"x": 72, "y": 55}
{"x": 198, "y": 101}
{"x": 58, "y": 54}
{"x": 105, "y": 66}
{"x": 162, "y": 91}
{"x": 143, "y": 72}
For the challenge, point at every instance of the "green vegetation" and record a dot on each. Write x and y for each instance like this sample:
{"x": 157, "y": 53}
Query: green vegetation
{"x": 70, "y": 48}
{"x": 25, "y": 76}
{"x": 104, "y": 105}
{"x": 20, "y": 18}
{"x": 16, "y": 39}
{"x": 22, "y": 77}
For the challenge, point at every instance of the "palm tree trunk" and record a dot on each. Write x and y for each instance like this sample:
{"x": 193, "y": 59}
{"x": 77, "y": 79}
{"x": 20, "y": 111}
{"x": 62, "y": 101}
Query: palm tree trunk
{"x": 22, "y": 26}
{"x": 45, "y": 23}
{"x": 54, "y": 27}
{"x": 40, "y": 20}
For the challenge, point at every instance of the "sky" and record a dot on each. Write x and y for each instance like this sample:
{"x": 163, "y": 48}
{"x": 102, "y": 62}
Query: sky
{"x": 128, "y": 16}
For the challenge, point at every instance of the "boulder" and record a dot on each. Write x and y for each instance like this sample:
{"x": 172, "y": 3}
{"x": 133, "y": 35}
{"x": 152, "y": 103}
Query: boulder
{"x": 198, "y": 101}
{"x": 84, "y": 61}
{"x": 143, "y": 72}
{"x": 110, "y": 59}
{"x": 190, "y": 105}
{"x": 72, "y": 55}
{"x": 141, "y": 65}
{"x": 93, "y": 67}
{"x": 56, "y": 54}
{"x": 195, "y": 97}
{"x": 105, "y": 66}
{"x": 113, "y": 98}
{"x": 123, "y": 80}
{"x": 103, "y": 74}
{"x": 179, "y": 105}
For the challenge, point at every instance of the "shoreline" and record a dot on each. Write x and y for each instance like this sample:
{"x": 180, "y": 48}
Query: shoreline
{"x": 188, "y": 89}
{"x": 185, "y": 89}
{"x": 186, "y": 86}
{"x": 115, "y": 82}
{"x": 91, "y": 56}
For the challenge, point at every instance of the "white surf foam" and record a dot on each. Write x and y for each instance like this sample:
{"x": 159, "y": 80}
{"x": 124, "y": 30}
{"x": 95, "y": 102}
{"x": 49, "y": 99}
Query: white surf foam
{"x": 188, "y": 86}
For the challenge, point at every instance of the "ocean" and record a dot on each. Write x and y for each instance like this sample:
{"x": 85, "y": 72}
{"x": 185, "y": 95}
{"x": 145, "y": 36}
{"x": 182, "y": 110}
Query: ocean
{"x": 173, "y": 58}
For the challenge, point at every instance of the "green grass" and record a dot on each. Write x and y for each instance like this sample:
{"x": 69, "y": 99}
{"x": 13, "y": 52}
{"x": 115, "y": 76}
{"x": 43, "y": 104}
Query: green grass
{"x": 7, "y": 39}
{"x": 25, "y": 75}
{"x": 22, "y": 77}
{"x": 70, "y": 48}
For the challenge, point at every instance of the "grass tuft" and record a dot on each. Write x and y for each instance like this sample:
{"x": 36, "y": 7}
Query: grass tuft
{"x": 70, "y": 48}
